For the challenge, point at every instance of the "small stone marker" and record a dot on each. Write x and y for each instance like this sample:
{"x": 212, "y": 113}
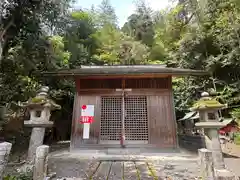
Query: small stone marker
{"x": 206, "y": 164}
{"x": 208, "y": 172}
{"x": 41, "y": 161}
{"x": 5, "y": 149}
{"x": 224, "y": 174}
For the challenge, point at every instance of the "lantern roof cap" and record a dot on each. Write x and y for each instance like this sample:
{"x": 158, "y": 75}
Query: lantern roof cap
{"x": 207, "y": 103}
{"x": 41, "y": 100}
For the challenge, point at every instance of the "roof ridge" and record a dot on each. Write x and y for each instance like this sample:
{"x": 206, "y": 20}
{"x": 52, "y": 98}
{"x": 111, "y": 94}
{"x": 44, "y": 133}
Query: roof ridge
{"x": 124, "y": 66}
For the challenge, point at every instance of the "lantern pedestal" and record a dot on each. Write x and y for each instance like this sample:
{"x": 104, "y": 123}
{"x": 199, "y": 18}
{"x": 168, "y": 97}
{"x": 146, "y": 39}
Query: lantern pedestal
{"x": 213, "y": 142}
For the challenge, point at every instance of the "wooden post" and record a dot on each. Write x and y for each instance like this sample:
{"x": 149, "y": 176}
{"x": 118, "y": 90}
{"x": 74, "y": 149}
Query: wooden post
{"x": 41, "y": 160}
{"x": 206, "y": 164}
{"x": 5, "y": 149}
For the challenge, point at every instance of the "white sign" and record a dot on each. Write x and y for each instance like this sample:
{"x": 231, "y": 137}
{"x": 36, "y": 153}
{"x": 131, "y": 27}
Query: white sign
{"x": 86, "y": 130}
{"x": 123, "y": 90}
{"x": 87, "y": 111}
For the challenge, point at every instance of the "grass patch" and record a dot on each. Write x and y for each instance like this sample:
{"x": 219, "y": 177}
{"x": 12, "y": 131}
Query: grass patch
{"x": 152, "y": 171}
{"x": 94, "y": 171}
{"x": 109, "y": 171}
{"x": 138, "y": 172}
{"x": 123, "y": 171}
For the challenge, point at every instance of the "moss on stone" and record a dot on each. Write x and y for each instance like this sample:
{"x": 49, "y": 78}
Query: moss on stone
{"x": 207, "y": 103}
{"x": 38, "y": 100}
{"x": 41, "y": 101}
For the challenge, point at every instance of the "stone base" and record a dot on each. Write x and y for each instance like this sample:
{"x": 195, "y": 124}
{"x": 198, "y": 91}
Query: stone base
{"x": 41, "y": 124}
{"x": 224, "y": 174}
{"x": 25, "y": 168}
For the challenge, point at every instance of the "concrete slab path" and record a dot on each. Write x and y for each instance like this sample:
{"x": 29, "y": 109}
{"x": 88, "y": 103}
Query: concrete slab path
{"x": 161, "y": 166}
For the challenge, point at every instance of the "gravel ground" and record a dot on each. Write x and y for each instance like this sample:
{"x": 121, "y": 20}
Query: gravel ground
{"x": 174, "y": 166}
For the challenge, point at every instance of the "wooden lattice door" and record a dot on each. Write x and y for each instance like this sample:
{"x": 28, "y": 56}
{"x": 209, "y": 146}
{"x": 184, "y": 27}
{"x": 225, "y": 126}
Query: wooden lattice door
{"x": 135, "y": 119}
{"x": 111, "y": 114}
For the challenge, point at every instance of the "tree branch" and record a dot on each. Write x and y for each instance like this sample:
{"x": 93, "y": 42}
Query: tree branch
{"x": 3, "y": 32}
{"x": 189, "y": 19}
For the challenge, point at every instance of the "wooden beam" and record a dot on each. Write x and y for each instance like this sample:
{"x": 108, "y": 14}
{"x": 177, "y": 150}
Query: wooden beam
{"x": 113, "y": 92}
{"x": 125, "y": 76}
{"x": 123, "y": 83}
{"x": 77, "y": 85}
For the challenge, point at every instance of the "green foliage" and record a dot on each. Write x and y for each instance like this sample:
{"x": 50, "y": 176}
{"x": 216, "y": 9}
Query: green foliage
{"x": 118, "y": 48}
{"x": 202, "y": 35}
{"x": 79, "y": 38}
{"x": 237, "y": 138}
{"x": 20, "y": 176}
{"x": 140, "y": 24}
{"x": 106, "y": 14}
{"x": 42, "y": 35}
{"x": 60, "y": 56}
{"x": 236, "y": 114}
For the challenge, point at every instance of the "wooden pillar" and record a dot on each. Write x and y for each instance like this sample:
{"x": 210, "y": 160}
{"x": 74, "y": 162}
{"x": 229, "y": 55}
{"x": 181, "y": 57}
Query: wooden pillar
{"x": 73, "y": 128}
{"x": 5, "y": 149}
{"x": 40, "y": 165}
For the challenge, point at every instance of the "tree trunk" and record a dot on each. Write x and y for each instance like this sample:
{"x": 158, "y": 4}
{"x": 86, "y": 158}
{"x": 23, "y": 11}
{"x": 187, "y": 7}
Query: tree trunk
{"x": 1, "y": 46}
{"x": 0, "y": 50}
{"x": 2, "y": 112}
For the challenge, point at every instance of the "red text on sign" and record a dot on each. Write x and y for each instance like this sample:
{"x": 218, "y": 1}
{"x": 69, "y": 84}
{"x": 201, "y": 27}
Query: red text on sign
{"x": 86, "y": 119}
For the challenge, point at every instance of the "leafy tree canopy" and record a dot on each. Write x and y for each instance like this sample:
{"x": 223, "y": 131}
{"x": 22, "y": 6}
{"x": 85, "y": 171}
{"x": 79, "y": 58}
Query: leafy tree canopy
{"x": 45, "y": 35}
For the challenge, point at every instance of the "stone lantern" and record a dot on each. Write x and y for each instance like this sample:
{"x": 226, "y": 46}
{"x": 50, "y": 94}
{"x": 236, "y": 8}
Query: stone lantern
{"x": 40, "y": 108}
{"x": 209, "y": 121}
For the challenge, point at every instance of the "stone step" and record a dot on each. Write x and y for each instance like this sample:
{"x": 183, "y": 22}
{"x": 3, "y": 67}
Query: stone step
{"x": 69, "y": 178}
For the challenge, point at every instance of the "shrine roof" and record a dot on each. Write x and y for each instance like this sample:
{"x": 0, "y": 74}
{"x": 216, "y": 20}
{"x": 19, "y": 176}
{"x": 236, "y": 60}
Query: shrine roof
{"x": 125, "y": 70}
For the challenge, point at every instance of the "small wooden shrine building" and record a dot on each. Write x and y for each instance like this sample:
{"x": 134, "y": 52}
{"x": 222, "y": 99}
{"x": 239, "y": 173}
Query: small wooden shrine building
{"x": 133, "y": 105}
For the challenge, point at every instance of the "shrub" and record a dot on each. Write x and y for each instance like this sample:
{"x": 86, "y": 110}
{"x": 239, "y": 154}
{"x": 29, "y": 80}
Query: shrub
{"x": 237, "y": 138}
{"x": 20, "y": 176}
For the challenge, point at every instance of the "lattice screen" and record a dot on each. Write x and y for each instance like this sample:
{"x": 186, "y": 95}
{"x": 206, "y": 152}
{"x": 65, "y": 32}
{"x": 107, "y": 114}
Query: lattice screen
{"x": 111, "y": 118}
{"x": 136, "y": 120}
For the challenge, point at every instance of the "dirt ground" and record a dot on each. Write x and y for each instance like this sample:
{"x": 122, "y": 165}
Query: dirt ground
{"x": 231, "y": 149}
{"x": 232, "y": 157}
